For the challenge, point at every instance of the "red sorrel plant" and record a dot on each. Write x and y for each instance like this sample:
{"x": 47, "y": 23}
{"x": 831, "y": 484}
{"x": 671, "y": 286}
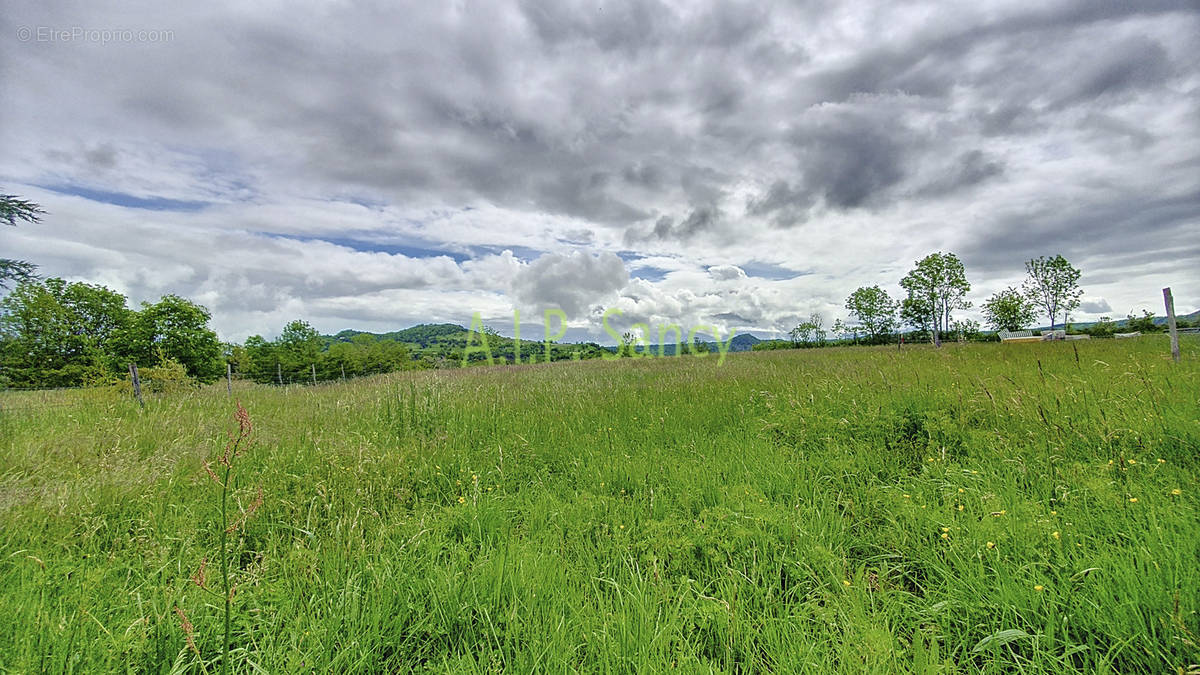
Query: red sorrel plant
{"x": 223, "y": 475}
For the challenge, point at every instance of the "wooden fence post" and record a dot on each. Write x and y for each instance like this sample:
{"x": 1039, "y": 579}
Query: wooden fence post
{"x": 229, "y": 378}
{"x": 314, "y": 373}
{"x": 1170, "y": 303}
{"x": 137, "y": 384}
{"x": 279, "y": 373}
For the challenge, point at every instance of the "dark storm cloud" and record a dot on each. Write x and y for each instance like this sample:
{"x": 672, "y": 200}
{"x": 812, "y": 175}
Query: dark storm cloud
{"x": 1130, "y": 229}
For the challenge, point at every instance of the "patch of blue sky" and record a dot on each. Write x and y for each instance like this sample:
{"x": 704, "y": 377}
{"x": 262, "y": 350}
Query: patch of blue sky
{"x": 128, "y": 200}
{"x": 764, "y": 270}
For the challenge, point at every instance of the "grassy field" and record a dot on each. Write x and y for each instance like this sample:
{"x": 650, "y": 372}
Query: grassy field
{"x": 987, "y": 508}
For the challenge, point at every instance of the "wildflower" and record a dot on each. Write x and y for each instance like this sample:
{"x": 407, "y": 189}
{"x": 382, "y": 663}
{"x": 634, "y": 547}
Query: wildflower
{"x": 462, "y": 500}
{"x": 1132, "y": 461}
{"x": 1176, "y": 492}
{"x": 960, "y": 507}
{"x": 991, "y": 544}
{"x": 846, "y": 583}
{"x": 1133, "y": 500}
{"x": 929, "y": 459}
{"x": 945, "y": 529}
{"x": 1039, "y": 588}
{"x": 945, "y": 536}
{"x": 1161, "y": 460}
{"x": 1054, "y": 513}
{"x": 1110, "y": 462}
{"x": 907, "y": 496}
{"x": 960, "y": 491}
{"x": 621, "y": 527}
{"x": 1055, "y": 535}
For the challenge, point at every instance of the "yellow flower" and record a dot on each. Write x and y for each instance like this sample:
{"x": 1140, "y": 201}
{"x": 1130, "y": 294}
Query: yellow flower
{"x": 1133, "y": 500}
{"x": 1054, "y": 534}
{"x": 1110, "y": 462}
{"x": 929, "y": 459}
{"x": 907, "y": 496}
{"x": 1161, "y": 460}
{"x": 960, "y": 490}
{"x": 1132, "y": 461}
{"x": 945, "y": 529}
{"x": 1176, "y": 492}
{"x": 462, "y": 500}
{"x": 845, "y": 583}
{"x": 960, "y": 507}
{"x": 945, "y": 536}
{"x": 1054, "y": 513}
{"x": 621, "y": 527}
{"x": 991, "y": 544}
{"x": 1039, "y": 588}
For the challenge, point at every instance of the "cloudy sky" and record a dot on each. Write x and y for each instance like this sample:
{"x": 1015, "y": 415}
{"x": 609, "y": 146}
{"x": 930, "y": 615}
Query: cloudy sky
{"x": 372, "y": 165}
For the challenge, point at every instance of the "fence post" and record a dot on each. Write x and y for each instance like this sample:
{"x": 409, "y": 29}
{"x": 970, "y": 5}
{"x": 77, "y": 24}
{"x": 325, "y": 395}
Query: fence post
{"x": 314, "y": 373}
{"x": 343, "y": 372}
{"x": 279, "y": 373}
{"x": 1170, "y": 303}
{"x": 137, "y": 384}
{"x": 229, "y": 378}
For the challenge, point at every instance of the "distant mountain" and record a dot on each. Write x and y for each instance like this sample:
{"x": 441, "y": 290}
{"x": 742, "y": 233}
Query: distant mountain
{"x": 422, "y": 335}
{"x": 743, "y": 343}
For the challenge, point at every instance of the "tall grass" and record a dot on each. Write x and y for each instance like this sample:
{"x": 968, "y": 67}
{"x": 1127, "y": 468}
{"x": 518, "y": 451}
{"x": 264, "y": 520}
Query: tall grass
{"x": 976, "y": 508}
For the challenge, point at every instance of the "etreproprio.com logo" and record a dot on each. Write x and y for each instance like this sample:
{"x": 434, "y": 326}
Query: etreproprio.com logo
{"x": 102, "y": 36}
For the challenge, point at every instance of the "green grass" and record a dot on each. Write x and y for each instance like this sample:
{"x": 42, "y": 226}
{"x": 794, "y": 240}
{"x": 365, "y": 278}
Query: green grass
{"x": 783, "y": 512}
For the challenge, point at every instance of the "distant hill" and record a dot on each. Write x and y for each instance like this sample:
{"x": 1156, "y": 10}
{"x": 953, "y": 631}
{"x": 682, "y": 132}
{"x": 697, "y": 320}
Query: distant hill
{"x": 422, "y": 335}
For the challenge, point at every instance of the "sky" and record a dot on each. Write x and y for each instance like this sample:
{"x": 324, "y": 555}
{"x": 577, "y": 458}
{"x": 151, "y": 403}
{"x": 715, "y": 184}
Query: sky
{"x": 374, "y": 165}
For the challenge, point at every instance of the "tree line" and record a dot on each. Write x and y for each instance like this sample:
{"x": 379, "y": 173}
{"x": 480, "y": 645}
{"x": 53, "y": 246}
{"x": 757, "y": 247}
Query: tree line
{"x": 937, "y": 286}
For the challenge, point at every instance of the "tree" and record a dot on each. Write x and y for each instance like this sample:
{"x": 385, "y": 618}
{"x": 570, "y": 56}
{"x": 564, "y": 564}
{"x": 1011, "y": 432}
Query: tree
{"x": 936, "y": 287}
{"x": 1054, "y": 285}
{"x": 1009, "y": 309}
{"x": 13, "y": 209}
{"x": 59, "y": 334}
{"x": 966, "y": 329}
{"x": 176, "y": 328}
{"x": 875, "y": 311}
{"x": 809, "y": 331}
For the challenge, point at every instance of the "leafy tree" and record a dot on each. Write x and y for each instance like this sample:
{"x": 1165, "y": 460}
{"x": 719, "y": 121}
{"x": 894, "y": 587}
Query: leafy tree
{"x": 1142, "y": 324}
{"x": 936, "y": 287}
{"x": 810, "y": 331}
{"x": 875, "y": 311}
{"x": 1105, "y": 327}
{"x": 1054, "y": 285}
{"x": 299, "y": 347}
{"x": 59, "y": 334}
{"x": 176, "y": 328}
{"x": 1009, "y": 309}
{"x": 966, "y": 329}
{"x": 13, "y": 209}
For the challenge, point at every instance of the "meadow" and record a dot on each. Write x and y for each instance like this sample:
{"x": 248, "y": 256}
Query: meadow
{"x": 978, "y": 508}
